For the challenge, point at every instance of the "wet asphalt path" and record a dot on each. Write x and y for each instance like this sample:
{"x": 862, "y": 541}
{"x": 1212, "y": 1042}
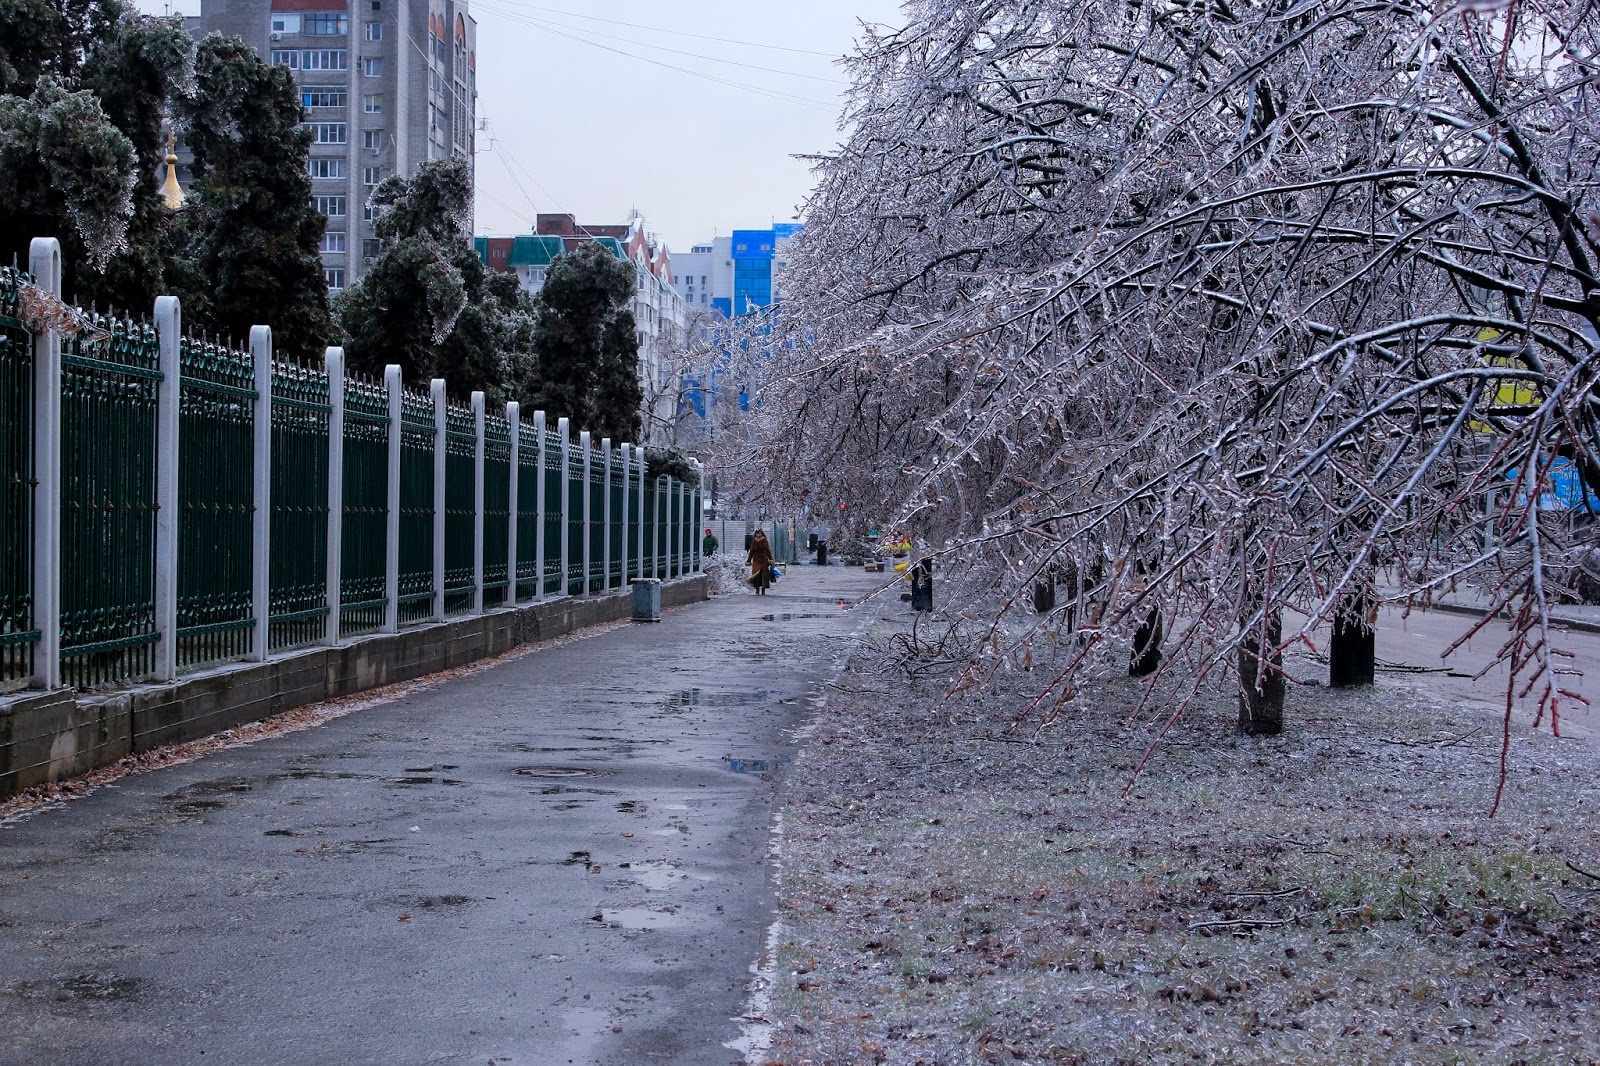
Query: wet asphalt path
{"x": 561, "y": 859}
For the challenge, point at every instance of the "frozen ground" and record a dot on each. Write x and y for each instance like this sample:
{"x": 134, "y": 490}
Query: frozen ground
{"x": 956, "y": 892}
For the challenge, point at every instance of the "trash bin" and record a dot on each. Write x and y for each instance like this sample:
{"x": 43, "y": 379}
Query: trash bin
{"x": 822, "y": 553}
{"x": 647, "y": 600}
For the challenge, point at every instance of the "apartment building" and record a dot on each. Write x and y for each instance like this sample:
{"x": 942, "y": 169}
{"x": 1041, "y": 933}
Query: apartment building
{"x": 387, "y": 85}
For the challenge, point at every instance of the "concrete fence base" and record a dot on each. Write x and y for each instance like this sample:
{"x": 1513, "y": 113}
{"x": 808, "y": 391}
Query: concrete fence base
{"x": 54, "y": 736}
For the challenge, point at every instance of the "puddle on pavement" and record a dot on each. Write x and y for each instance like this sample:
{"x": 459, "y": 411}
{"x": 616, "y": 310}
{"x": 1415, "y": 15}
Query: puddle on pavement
{"x": 753, "y": 766}
{"x": 198, "y": 806}
{"x": 632, "y": 807}
{"x": 638, "y": 918}
{"x": 429, "y": 903}
{"x": 218, "y": 787}
{"x": 428, "y": 779}
{"x": 568, "y": 790}
{"x": 430, "y": 769}
{"x": 531, "y": 749}
{"x": 102, "y": 987}
{"x": 791, "y": 617}
{"x": 317, "y": 775}
{"x": 659, "y": 876}
{"x": 280, "y": 833}
{"x": 555, "y": 771}
{"x": 675, "y": 806}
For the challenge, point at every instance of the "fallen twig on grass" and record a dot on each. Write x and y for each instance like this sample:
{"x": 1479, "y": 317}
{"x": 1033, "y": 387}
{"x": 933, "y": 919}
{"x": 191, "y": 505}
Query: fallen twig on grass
{"x": 1244, "y": 923}
{"x": 1580, "y": 870}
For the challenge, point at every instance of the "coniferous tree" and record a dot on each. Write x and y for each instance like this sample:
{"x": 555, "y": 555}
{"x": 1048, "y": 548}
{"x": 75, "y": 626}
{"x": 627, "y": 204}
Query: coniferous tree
{"x": 83, "y": 90}
{"x": 585, "y": 353}
{"x": 427, "y": 303}
{"x": 247, "y": 239}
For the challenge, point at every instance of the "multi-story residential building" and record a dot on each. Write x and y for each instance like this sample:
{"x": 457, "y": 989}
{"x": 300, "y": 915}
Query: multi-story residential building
{"x": 658, "y": 305}
{"x": 386, "y": 84}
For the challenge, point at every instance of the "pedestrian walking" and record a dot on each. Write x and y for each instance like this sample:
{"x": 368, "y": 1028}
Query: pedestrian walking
{"x": 760, "y": 560}
{"x": 709, "y": 546}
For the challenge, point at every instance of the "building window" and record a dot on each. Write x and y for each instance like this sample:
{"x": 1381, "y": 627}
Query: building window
{"x": 369, "y": 213}
{"x": 329, "y": 132}
{"x": 371, "y": 248}
{"x": 333, "y": 241}
{"x": 371, "y": 176}
{"x": 372, "y": 103}
{"x": 334, "y": 276}
{"x": 374, "y": 31}
{"x": 372, "y": 67}
{"x": 285, "y": 23}
{"x": 332, "y": 206}
{"x": 325, "y": 25}
{"x": 312, "y": 59}
{"x": 327, "y": 168}
{"x": 323, "y": 96}
{"x": 372, "y": 140}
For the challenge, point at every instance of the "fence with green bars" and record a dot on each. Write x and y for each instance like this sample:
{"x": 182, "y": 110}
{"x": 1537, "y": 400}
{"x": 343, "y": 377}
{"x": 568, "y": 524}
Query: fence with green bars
{"x": 169, "y": 503}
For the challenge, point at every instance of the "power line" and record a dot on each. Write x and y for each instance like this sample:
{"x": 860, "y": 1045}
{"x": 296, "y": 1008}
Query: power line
{"x": 775, "y": 94}
{"x": 675, "y": 33}
{"x": 555, "y": 26}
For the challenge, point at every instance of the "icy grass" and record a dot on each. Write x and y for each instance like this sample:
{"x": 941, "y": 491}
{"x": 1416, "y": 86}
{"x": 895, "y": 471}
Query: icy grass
{"x": 958, "y": 893}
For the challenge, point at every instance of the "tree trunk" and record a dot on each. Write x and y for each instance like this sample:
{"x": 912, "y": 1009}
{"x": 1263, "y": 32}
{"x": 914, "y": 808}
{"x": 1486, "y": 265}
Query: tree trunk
{"x": 1044, "y": 596}
{"x": 1261, "y": 686}
{"x": 1352, "y": 651}
{"x": 1146, "y": 656}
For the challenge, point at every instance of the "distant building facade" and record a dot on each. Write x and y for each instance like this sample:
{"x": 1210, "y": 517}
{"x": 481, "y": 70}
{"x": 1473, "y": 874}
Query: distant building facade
{"x": 658, "y": 305}
{"x": 387, "y": 85}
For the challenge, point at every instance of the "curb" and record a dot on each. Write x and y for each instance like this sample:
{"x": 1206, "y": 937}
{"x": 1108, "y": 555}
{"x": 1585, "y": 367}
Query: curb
{"x": 1577, "y": 625}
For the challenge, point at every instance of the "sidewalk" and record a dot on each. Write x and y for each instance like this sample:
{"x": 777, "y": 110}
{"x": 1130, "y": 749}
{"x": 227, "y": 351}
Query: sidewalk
{"x": 559, "y": 857}
{"x": 1583, "y": 618}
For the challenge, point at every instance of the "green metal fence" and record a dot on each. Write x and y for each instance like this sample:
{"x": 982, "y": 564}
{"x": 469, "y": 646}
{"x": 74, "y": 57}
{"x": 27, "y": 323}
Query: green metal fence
{"x": 416, "y": 507}
{"x": 496, "y": 509}
{"x": 616, "y": 490}
{"x": 298, "y": 561}
{"x": 110, "y": 377}
{"x": 595, "y": 522}
{"x": 575, "y": 523}
{"x": 216, "y": 494}
{"x": 18, "y": 635}
{"x": 555, "y": 488}
{"x": 140, "y": 596}
{"x": 529, "y": 508}
{"x": 364, "y": 529}
{"x": 460, "y": 457}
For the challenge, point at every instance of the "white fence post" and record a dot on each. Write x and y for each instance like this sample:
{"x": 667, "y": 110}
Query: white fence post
{"x": 436, "y": 388}
{"x": 538, "y": 529}
{"x": 169, "y": 328}
{"x": 335, "y": 363}
{"x": 44, "y": 263}
{"x": 477, "y": 503}
{"x": 605, "y": 511}
{"x": 584, "y": 444}
{"x": 564, "y": 429}
{"x": 393, "y": 386}
{"x": 261, "y": 476}
{"x": 627, "y": 473}
{"x": 514, "y": 428}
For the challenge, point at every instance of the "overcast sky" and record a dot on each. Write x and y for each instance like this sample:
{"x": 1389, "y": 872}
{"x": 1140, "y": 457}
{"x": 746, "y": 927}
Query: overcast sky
{"x": 598, "y": 132}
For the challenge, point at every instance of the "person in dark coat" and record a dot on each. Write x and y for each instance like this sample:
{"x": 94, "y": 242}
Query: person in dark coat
{"x": 709, "y": 545}
{"x": 760, "y": 560}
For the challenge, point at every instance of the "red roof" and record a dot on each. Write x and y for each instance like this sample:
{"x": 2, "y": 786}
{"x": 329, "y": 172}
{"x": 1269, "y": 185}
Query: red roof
{"x": 311, "y": 5}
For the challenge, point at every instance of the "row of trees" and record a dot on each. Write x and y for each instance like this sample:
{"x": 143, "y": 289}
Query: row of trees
{"x": 87, "y": 89}
{"x": 1201, "y": 313}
